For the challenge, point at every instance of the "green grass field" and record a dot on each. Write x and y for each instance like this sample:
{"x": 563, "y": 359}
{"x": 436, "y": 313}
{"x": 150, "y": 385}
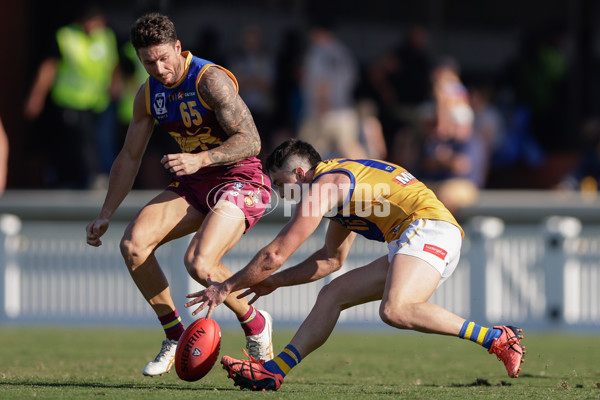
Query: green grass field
{"x": 87, "y": 363}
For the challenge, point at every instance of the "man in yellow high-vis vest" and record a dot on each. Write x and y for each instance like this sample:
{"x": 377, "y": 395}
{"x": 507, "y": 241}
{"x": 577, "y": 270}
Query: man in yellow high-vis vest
{"x": 74, "y": 88}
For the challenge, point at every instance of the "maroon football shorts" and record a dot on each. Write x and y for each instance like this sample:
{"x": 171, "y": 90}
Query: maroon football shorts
{"x": 245, "y": 186}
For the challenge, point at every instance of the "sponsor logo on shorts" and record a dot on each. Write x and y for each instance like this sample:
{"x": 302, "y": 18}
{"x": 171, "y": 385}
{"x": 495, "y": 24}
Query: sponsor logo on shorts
{"x": 436, "y": 251}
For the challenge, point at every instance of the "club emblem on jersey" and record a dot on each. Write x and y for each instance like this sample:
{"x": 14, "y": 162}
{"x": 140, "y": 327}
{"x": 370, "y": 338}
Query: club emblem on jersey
{"x": 160, "y": 104}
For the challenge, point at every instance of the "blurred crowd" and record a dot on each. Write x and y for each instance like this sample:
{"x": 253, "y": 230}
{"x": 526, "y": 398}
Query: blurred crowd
{"x": 455, "y": 130}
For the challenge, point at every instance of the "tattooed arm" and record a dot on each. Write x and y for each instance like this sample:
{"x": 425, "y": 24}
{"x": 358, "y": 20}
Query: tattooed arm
{"x": 218, "y": 90}
{"x": 220, "y": 93}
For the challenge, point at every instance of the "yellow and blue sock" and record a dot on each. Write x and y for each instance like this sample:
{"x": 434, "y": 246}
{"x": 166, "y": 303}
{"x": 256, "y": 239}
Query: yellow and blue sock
{"x": 284, "y": 362}
{"x": 479, "y": 334}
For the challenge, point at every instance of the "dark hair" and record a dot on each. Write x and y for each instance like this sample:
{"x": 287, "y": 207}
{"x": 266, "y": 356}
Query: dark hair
{"x": 292, "y": 147}
{"x": 151, "y": 30}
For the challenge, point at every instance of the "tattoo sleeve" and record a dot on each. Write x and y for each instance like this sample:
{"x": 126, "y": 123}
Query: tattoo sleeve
{"x": 219, "y": 92}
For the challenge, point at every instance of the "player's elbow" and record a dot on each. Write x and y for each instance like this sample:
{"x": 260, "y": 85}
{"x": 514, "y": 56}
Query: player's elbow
{"x": 273, "y": 260}
{"x": 333, "y": 265}
{"x": 339, "y": 260}
{"x": 254, "y": 151}
{"x": 336, "y": 260}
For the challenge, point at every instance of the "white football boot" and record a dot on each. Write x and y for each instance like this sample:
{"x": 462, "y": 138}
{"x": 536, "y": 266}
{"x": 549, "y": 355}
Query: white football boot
{"x": 163, "y": 362}
{"x": 260, "y": 346}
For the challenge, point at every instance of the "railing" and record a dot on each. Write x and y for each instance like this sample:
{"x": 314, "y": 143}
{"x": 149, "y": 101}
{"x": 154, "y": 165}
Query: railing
{"x": 539, "y": 275}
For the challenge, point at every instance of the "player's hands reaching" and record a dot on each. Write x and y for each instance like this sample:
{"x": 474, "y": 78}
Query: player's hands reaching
{"x": 95, "y": 229}
{"x": 182, "y": 163}
{"x": 260, "y": 289}
{"x": 210, "y": 297}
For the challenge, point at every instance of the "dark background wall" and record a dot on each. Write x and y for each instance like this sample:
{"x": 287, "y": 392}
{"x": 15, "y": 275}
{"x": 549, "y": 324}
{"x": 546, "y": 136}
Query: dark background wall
{"x": 483, "y": 35}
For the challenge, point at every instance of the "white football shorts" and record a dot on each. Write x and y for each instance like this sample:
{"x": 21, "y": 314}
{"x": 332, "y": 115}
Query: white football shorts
{"x": 434, "y": 241}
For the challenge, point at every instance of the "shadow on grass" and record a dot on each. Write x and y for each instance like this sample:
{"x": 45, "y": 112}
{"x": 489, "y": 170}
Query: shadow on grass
{"x": 97, "y": 385}
{"x": 480, "y": 382}
{"x": 485, "y": 383}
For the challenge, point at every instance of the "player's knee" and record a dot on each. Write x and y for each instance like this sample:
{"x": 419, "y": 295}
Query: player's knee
{"x": 198, "y": 267}
{"x": 394, "y": 315}
{"x": 331, "y": 295}
{"x": 132, "y": 253}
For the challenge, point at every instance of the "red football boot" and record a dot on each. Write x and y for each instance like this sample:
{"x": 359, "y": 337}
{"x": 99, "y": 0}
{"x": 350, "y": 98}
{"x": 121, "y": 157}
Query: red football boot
{"x": 251, "y": 374}
{"x": 507, "y": 347}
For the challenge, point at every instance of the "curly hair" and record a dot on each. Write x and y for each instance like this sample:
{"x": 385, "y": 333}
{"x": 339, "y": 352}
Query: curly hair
{"x": 289, "y": 148}
{"x": 151, "y": 30}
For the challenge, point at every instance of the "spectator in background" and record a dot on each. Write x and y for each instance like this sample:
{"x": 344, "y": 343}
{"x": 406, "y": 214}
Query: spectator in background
{"x": 329, "y": 77}
{"x": 488, "y": 125}
{"x": 4, "y": 149}
{"x": 453, "y": 160}
{"x": 253, "y": 67}
{"x": 401, "y": 80}
{"x": 288, "y": 98}
{"x": 370, "y": 130}
{"x": 74, "y": 87}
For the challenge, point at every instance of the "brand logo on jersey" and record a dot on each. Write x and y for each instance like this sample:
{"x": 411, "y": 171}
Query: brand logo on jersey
{"x": 436, "y": 251}
{"x": 181, "y": 95}
{"x": 405, "y": 178}
{"x": 160, "y": 104}
{"x": 238, "y": 186}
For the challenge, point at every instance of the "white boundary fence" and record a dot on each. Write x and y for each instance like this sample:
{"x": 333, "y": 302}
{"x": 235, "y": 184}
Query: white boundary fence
{"x": 544, "y": 275}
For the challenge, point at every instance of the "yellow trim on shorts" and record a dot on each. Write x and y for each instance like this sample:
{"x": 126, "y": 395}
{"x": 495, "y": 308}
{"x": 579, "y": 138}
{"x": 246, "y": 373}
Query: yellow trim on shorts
{"x": 414, "y": 234}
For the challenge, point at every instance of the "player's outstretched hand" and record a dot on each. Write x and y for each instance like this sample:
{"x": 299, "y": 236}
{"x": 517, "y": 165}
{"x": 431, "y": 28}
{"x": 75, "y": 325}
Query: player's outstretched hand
{"x": 95, "y": 229}
{"x": 210, "y": 297}
{"x": 260, "y": 289}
